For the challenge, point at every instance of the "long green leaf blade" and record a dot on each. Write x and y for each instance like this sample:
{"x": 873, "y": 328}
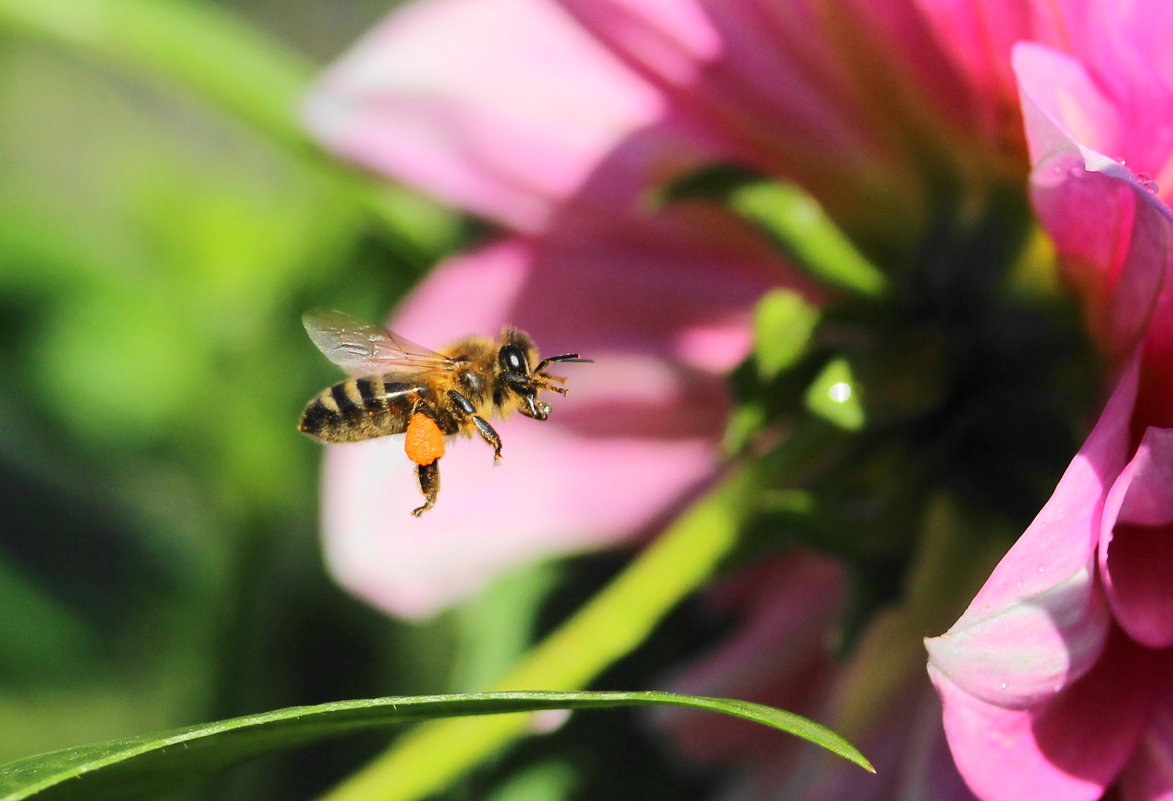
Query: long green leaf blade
{"x": 128, "y": 768}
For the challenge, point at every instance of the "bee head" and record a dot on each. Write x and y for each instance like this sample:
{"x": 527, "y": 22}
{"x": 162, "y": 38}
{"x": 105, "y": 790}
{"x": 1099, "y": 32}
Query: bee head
{"x": 522, "y": 374}
{"x": 514, "y": 362}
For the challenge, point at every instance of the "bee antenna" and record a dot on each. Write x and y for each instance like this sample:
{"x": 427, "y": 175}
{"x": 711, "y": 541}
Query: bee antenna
{"x": 565, "y": 357}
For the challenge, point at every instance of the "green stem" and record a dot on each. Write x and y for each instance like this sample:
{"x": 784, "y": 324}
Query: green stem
{"x": 610, "y": 626}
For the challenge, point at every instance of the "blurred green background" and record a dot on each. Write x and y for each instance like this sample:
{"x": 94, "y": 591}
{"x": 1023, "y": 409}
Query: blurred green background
{"x": 163, "y": 225}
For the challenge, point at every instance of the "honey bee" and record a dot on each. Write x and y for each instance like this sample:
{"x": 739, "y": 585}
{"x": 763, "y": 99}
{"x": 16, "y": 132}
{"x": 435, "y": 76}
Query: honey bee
{"x": 398, "y": 387}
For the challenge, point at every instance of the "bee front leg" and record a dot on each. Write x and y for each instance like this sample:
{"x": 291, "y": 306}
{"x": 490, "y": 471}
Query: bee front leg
{"x": 429, "y": 478}
{"x": 465, "y": 408}
{"x": 489, "y": 434}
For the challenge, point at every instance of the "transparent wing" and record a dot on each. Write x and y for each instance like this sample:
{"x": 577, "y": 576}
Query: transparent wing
{"x": 363, "y": 349}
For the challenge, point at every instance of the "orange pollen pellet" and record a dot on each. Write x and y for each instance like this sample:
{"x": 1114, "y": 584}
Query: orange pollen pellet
{"x": 425, "y": 441}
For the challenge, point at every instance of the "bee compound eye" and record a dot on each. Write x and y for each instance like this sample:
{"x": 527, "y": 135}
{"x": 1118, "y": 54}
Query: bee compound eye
{"x": 513, "y": 360}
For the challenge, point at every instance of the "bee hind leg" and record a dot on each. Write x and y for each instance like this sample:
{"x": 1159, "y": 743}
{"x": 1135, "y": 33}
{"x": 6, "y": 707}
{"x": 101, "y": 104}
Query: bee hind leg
{"x": 429, "y": 478}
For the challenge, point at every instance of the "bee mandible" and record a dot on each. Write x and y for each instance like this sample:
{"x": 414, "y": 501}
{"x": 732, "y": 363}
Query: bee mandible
{"x": 398, "y": 387}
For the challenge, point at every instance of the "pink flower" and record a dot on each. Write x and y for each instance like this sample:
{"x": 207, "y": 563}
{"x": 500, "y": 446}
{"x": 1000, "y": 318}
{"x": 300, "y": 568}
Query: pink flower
{"x": 560, "y": 120}
{"x": 1056, "y": 681}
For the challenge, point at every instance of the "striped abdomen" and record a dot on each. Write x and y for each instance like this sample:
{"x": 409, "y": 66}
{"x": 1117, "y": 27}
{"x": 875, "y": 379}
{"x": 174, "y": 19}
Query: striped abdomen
{"x": 360, "y": 408}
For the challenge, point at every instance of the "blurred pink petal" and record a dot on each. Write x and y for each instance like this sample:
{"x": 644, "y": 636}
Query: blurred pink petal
{"x": 1149, "y": 776}
{"x": 1067, "y": 749}
{"x": 768, "y": 84}
{"x": 1039, "y": 623}
{"x": 978, "y": 37}
{"x": 504, "y": 107}
{"x": 414, "y": 568}
{"x": 777, "y": 655}
{"x": 734, "y": 65}
{"x": 1154, "y": 406}
{"x": 1136, "y": 548}
{"x": 881, "y": 703}
{"x": 812, "y": 66}
{"x": 906, "y": 744}
{"x": 780, "y": 652}
{"x": 634, "y": 439}
{"x": 862, "y": 101}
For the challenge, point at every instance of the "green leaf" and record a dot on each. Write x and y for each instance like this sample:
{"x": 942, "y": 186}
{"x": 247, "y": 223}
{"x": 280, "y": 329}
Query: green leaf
{"x": 783, "y": 324}
{"x": 797, "y": 222}
{"x": 132, "y": 767}
{"x": 834, "y": 396}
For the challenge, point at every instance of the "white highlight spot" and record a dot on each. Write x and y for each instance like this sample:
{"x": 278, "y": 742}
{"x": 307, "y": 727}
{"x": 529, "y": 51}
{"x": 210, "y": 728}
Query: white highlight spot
{"x": 840, "y": 392}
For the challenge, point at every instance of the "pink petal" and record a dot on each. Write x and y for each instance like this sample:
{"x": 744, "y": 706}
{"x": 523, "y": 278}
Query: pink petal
{"x": 881, "y": 702}
{"x": 1136, "y": 547}
{"x": 907, "y": 747}
{"x": 1067, "y": 748}
{"x": 663, "y": 309}
{"x": 1144, "y": 484}
{"x": 1070, "y": 110}
{"x": 779, "y": 652}
{"x": 1154, "y": 405}
{"x": 769, "y": 85}
{"x": 979, "y": 34}
{"x": 1149, "y": 776}
{"x": 504, "y": 107}
{"x": 555, "y": 492}
{"x": 732, "y": 66}
{"x": 1125, "y": 46}
{"x": 934, "y": 775}
{"x": 1108, "y": 227}
{"x": 1040, "y": 622}
{"x": 776, "y": 654}
{"x": 806, "y": 66}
